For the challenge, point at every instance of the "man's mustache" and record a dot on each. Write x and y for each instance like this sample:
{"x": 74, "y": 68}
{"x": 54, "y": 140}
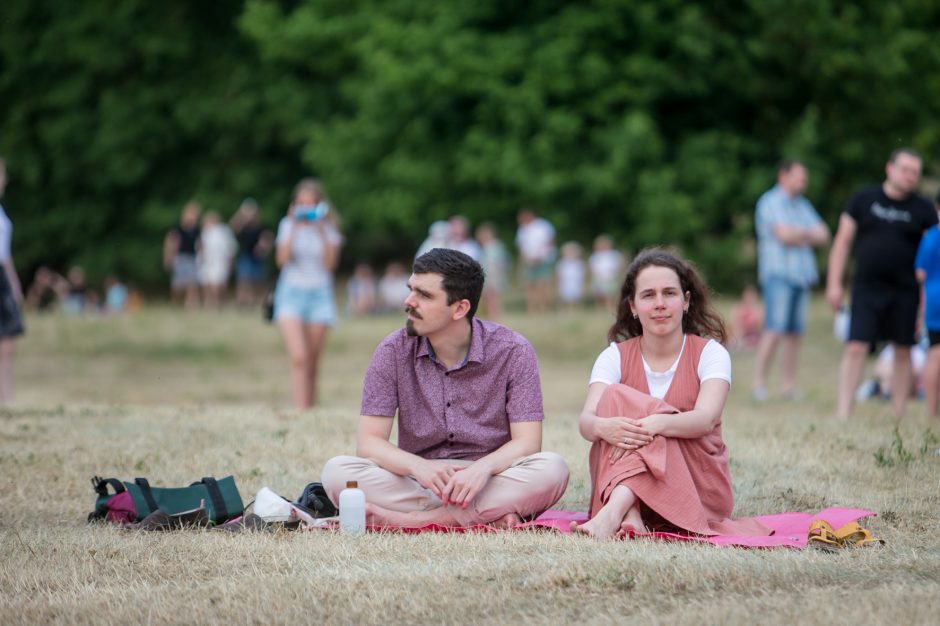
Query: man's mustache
{"x": 410, "y": 311}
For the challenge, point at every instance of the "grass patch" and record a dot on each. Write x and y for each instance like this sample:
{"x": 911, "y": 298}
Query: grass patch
{"x": 176, "y": 397}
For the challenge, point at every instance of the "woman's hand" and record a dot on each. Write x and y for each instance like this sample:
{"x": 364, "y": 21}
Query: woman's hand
{"x": 623, "y": 433}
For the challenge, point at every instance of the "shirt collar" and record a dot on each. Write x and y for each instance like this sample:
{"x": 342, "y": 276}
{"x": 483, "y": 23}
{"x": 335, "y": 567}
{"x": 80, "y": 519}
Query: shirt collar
{"x": 476, "y": 352}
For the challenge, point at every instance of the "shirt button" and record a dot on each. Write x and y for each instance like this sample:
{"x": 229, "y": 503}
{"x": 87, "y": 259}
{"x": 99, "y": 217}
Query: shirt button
{"x": 450, "y": 443}
{"x": 448, "y": 404}
{"x": 446, "y": 373}
{"x": 450, "y": 436}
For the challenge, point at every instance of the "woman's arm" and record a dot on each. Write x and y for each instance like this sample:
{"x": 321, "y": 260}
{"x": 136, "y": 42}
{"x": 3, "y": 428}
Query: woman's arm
{"x": 698, "y": 422}
{"x": 622, "y": 432}
{"x": 14, "y": 281}
{"x": 330, "y": 246}
{"x": 283, "y": 243}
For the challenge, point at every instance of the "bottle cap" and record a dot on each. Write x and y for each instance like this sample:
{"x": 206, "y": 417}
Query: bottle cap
{"x": 352, "y": 484}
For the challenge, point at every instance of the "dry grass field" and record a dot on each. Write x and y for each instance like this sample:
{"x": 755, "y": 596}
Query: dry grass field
{"x": 174, "y": 397}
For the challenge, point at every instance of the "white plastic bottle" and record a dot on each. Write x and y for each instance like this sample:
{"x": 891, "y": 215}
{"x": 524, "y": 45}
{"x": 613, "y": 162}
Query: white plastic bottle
{"x": 352, "y": 509}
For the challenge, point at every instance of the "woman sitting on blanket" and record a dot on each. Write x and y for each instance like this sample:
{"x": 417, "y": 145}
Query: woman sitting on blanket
{"x": 653, "y": 410}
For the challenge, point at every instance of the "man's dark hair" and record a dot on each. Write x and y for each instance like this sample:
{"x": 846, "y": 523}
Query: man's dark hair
{"x": 785, "y": 165}
{"x": 908, "y": 151}
{"x": 462, "y": 276}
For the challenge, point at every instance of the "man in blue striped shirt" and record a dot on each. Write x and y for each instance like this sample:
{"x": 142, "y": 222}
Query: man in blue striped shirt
{"x": 788, "y": 227}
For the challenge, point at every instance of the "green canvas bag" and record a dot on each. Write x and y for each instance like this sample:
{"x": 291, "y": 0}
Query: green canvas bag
{"x": 139, "y": 499}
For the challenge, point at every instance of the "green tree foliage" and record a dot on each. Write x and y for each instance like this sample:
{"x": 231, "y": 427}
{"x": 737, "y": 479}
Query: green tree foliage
{"x": 658, "y": 121}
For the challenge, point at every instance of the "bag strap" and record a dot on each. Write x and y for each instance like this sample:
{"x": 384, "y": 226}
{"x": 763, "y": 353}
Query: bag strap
{"x": 147, "y": 493}
{"x": 218, "y": 502}
{"x": 101, "y": 486}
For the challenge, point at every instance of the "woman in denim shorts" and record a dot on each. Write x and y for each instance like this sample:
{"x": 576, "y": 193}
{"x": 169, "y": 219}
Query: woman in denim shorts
{"x": 308, "y": 243}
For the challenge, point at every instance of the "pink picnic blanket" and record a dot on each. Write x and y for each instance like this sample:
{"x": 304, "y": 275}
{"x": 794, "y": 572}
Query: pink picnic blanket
{"x": 790, "y": 529}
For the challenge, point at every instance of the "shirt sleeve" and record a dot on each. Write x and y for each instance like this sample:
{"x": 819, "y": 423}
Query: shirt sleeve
{"x": 853, "y": 207}
{"x": 715, "y": 362}
{"x": 524, "y": 390}
{"x": 930, "y": 216}
{"x": 283, "y": 229}
{"x": 767, "y": 215}
{"x": 380, "y": 386}
{"x": 333, "y": 235}
{"x": 6, "y": 236}
{"x": 607, "y": 367}
{"x": 812, "y": 214}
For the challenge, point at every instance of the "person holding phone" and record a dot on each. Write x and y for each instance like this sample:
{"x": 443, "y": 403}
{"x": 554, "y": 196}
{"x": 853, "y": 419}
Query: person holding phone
{"x": 308, "y": 242}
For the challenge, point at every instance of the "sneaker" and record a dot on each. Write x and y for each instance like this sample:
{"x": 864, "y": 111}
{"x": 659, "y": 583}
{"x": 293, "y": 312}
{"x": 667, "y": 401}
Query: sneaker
{"x": 792, "y": 395}
{"x": 868, "y": 389}
{"x": 759, "y": 394}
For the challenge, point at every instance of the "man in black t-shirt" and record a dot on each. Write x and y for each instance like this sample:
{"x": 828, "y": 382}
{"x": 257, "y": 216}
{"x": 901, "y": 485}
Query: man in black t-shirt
{"x": 886, "y": 222}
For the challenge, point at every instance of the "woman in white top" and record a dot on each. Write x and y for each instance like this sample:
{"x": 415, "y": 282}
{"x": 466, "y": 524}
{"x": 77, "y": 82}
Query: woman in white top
{"x": 11, "y": 300}
{"x": 308, "y": 244}
{"x": 654, "y": 406}
{"x": 216, "y": 253}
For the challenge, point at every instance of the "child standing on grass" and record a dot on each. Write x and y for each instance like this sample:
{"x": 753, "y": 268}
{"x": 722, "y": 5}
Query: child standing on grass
{"x": 571, "y": 276}
{"x": 927, "y": 265}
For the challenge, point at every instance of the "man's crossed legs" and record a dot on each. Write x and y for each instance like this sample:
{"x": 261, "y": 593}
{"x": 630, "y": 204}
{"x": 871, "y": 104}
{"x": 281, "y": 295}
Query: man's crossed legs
{"x": 523, "y": 490}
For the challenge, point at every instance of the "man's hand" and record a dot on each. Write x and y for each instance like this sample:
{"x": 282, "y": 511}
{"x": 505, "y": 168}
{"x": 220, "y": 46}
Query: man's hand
{"x": 465, "y": 484}
{"x": 434, "y": 475}
{"x": 835, "y": 296}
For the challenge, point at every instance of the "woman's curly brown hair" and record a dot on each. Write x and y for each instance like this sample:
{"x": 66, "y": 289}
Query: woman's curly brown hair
{"x": 701, "y": 319}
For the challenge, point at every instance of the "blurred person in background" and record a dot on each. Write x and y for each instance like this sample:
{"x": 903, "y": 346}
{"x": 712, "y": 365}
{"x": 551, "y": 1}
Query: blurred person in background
{"x": 217, "y": 248}
{"x": 77, "y": 292}
{"x": 254, "y": 246}
{"x": 179, "y": 255}
{"x": 115, "y": 295}
{"x": 361, "y": 293}
{"x": 747, "y": 320}
{"x": 495, "y": 261}
{"x": 46, "y": 290}
{"x": 459, "y": 238}
{"x": 886, "y": 223}
{"x": 788, "y": 228}
{"x": 606, "y": 265}
{"x": 393, "y": 288}
{"x": 438, "y": 237}
{"x": 927, "y": 266}
{"x": 308, "y": 243}
{"x": 11, "y": 299}
{"x": 536, "y": 242}
{"x": 571, "y": 275}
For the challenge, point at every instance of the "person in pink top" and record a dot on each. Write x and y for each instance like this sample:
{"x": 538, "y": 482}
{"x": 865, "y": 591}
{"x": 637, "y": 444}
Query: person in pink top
{"x": 469, "y": 406}
{"x": 653, "y": 409}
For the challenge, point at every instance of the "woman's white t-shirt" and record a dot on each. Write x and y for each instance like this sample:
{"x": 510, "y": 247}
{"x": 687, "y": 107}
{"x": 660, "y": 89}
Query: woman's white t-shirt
{"x": 305, "y": 270}
{"x": 715, "y": 362}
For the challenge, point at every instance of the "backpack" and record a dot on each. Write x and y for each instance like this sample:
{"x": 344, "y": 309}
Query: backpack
{"x": 133, "y": 501}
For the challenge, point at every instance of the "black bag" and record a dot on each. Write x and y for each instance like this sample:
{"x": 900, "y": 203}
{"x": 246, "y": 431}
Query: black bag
{"x": 267, "y": 307}
{"x": 315, "y": 500}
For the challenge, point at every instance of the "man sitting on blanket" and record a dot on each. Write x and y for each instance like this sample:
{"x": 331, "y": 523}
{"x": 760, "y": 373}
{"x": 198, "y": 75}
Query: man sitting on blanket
{"x": 469, "y": 408}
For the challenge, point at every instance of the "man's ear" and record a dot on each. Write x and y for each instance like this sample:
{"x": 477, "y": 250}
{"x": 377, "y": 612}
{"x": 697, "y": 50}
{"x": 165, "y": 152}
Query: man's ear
{"x": 463, "y": 308}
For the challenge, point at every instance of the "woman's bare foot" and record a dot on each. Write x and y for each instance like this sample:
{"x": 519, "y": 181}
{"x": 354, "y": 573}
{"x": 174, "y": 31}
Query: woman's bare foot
{"x": 602, "y": 526}
{"x": 632, "y": 523}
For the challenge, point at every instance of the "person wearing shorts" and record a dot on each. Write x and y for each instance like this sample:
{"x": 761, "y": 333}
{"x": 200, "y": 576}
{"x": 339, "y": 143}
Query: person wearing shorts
{"x": 927, "y": 266}
{"x": 886, "y": 223}
{"x": 536, "y": 242}
{"x": 788, "y": 227}
{"x": 304, "y": 306}
{"x": 180, "y": 247}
